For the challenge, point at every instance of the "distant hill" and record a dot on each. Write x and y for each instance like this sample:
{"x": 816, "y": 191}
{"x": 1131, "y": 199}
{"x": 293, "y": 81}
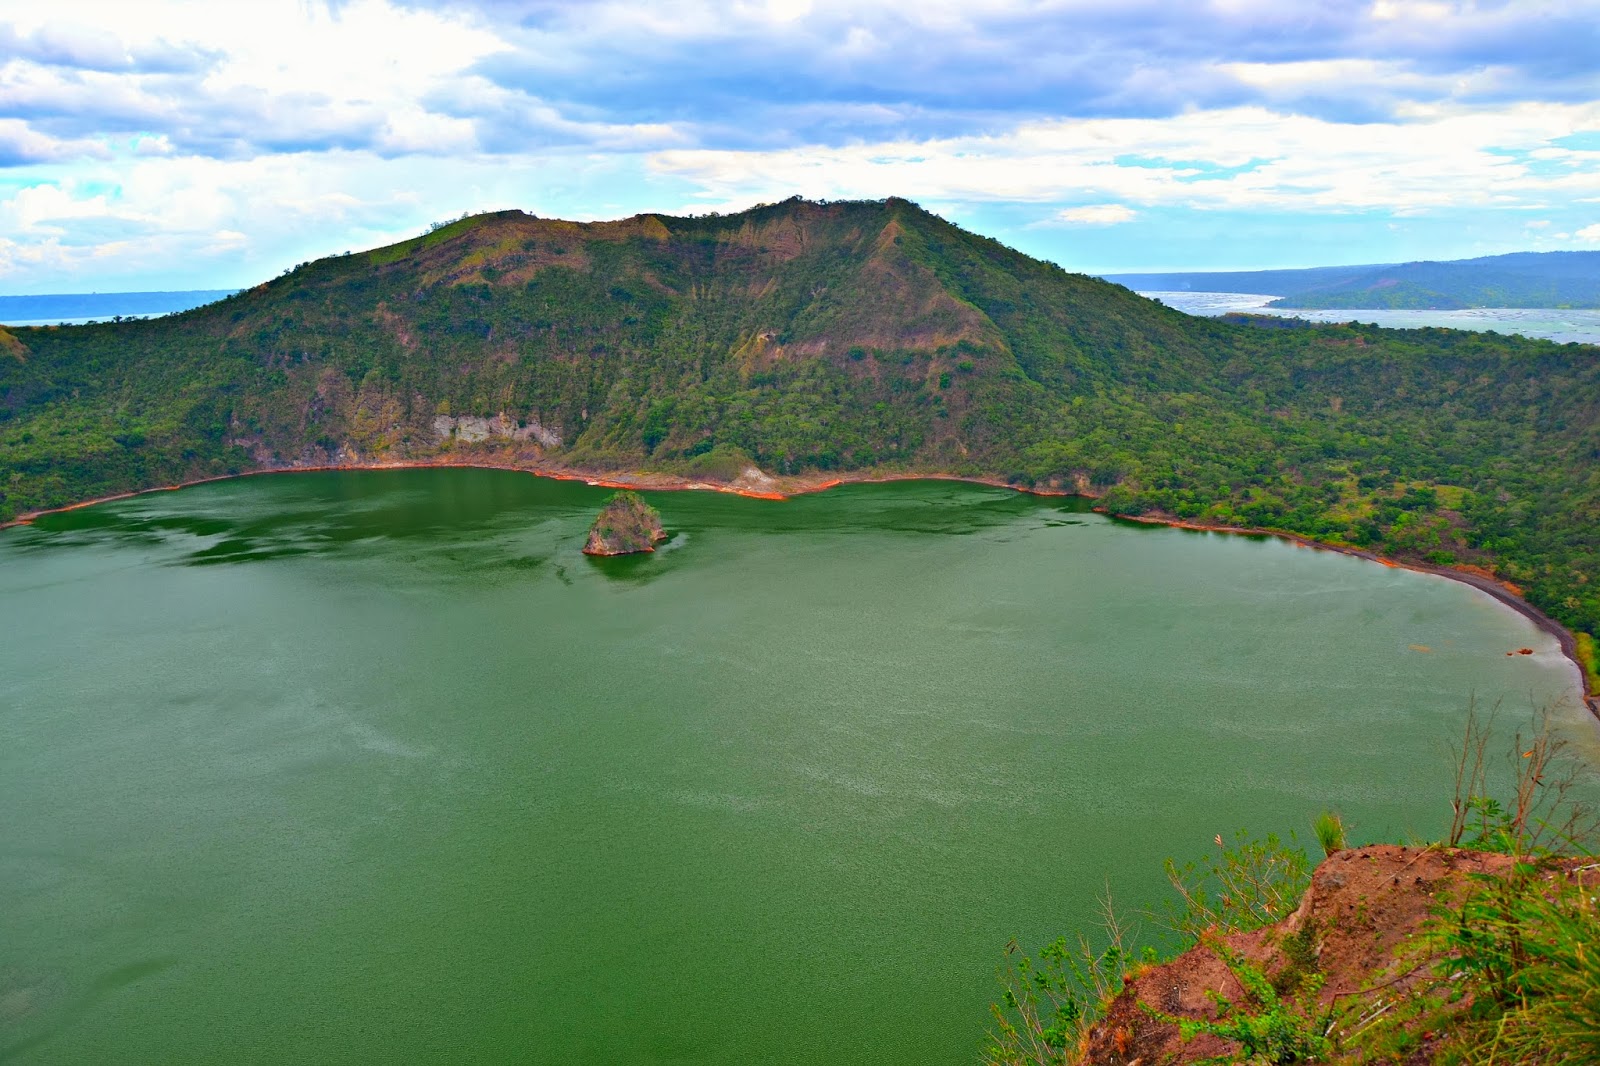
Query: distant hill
{"x": 1521, "y": 279}
{"x": 59, "y": 307}
{"x": 799, "y": 342}
{"x": 1254, "y": 282}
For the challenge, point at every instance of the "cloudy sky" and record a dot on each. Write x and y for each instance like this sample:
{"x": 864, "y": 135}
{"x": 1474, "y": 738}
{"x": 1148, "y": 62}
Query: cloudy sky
{"x": 176, "y": 144}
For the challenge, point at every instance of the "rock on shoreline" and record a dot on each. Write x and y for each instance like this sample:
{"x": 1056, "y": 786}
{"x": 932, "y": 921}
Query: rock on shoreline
{"x": 625, "y": 525}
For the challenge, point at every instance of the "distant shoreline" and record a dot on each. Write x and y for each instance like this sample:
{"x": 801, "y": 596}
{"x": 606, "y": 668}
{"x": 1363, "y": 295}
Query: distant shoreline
{"x": 1496, "y": 589}
{"x": 782, "y": 488}
{"x": 1559, "y": 325}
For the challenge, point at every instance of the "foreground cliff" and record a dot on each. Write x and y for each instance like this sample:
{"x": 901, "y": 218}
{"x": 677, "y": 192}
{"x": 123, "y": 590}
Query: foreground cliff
{"x": 805, "y": 341}
{"x": 1364, "y": 963}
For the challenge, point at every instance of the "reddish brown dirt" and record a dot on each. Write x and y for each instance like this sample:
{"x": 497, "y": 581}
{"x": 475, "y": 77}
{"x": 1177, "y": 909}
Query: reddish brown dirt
{"x": 647, "y": 481}
{"x": 1363, "y": 904}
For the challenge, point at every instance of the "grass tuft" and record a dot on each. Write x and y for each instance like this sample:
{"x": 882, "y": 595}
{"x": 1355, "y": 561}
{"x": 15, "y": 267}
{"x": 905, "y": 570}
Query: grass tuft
{"x": 1329, "y": 829}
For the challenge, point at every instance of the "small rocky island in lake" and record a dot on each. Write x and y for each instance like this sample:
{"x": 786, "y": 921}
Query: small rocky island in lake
{"x": 626, "y": 524}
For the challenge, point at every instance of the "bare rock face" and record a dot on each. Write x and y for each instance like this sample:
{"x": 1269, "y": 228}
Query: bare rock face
{"x": 626, "y": 524}
{"x": 474, "y": 429}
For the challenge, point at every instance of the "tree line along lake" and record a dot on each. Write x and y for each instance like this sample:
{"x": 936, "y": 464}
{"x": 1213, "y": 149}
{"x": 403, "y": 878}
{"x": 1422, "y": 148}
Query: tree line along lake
{"x": 377, "y": 766}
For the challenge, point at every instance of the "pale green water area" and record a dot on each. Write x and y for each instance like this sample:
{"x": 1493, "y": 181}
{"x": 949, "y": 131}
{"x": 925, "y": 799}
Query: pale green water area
{"x": 378, "y": 768}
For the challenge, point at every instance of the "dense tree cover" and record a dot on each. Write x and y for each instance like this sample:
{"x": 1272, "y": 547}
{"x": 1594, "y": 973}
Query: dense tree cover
{"x": 818, "y": 337}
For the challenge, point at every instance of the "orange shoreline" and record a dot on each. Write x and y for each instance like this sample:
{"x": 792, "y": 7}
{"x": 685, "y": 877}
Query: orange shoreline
{"x": 796, "y": 485}
{"x": 1504, "y": 592}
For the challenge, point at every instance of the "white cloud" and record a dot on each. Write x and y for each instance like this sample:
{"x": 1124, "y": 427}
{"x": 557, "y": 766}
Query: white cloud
{"x": 1395, "y": 10}
{"x": 363, "y": 50}
{"x": 275, "y": 72}
{"x": 20, "y": 144}
{"x": 1589, "y": 234}
{"x": 1098, "y": 214}
{"x": 196, "y": 222}
{"x": 19, "y": 259}
{"x": 43, "y": 208}
{"x": 1446, "y": 158}
{"x": 247, "y": 135}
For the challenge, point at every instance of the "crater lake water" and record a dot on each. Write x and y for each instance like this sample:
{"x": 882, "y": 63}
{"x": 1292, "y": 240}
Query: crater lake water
{"x": 377, "y": 767}
{"x": 1562, "y": 325}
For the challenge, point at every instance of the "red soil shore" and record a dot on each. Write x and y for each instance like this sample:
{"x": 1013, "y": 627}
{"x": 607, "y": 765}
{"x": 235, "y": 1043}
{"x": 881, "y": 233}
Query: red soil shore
{"x": 796, "y": 485}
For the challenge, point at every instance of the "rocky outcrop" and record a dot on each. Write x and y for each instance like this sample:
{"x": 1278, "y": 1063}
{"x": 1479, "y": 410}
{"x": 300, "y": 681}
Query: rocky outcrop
{"x": 472, "y": 429}
{"x": 626, "y": 525}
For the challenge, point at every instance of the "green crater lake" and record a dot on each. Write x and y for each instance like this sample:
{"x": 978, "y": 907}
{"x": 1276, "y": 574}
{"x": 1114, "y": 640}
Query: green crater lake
{"x": 378, "y": 768}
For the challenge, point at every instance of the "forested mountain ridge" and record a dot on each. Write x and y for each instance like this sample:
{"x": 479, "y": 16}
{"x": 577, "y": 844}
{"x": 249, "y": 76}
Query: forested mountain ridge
{"x": 807, "y": 338}
{"x": 1520, "y": 279}
{"x": 1523, "y": 279}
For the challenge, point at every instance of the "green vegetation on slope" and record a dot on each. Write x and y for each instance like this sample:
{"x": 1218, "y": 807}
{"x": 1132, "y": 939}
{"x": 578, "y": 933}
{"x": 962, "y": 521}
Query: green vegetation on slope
{"x": 807, "y": 337}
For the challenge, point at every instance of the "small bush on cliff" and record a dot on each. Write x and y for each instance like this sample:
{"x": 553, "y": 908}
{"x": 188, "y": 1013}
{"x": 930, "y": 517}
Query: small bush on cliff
{"x": 1522, "y": 949}
{"x": 1329, "y": 828}
{"x": 1542, "y": 814}
{"x": 1554, "y": 1016}
{"x": 1050, "y": 1001}
{"x": 1245, "y": 885}
{"x": 1524, "y": 952}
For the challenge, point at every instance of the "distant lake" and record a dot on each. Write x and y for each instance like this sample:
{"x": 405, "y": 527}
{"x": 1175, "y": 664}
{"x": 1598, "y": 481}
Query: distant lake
{"x": 74, "y": 308}
{"x": 377, "y": 767}
{"x": 1550, "y": 324}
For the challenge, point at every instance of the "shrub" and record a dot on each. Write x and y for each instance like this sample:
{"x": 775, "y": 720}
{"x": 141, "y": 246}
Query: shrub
{"x": 1524, "y": 946}
{"x": 1542, "y": 813}
{"x": 1049, "y": 1003}
{"x": 1246, "y": 885}
{"x": 724, "y": 462}
{"x": 1329, "y": 828}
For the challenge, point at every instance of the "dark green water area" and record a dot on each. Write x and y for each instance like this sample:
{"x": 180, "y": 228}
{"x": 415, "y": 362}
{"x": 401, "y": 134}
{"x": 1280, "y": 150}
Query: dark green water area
{"x": 378, "y": 768}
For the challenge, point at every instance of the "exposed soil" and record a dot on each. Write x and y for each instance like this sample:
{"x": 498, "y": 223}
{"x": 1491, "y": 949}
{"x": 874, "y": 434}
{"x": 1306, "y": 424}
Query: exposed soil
{"x": 1363, "y": 904}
